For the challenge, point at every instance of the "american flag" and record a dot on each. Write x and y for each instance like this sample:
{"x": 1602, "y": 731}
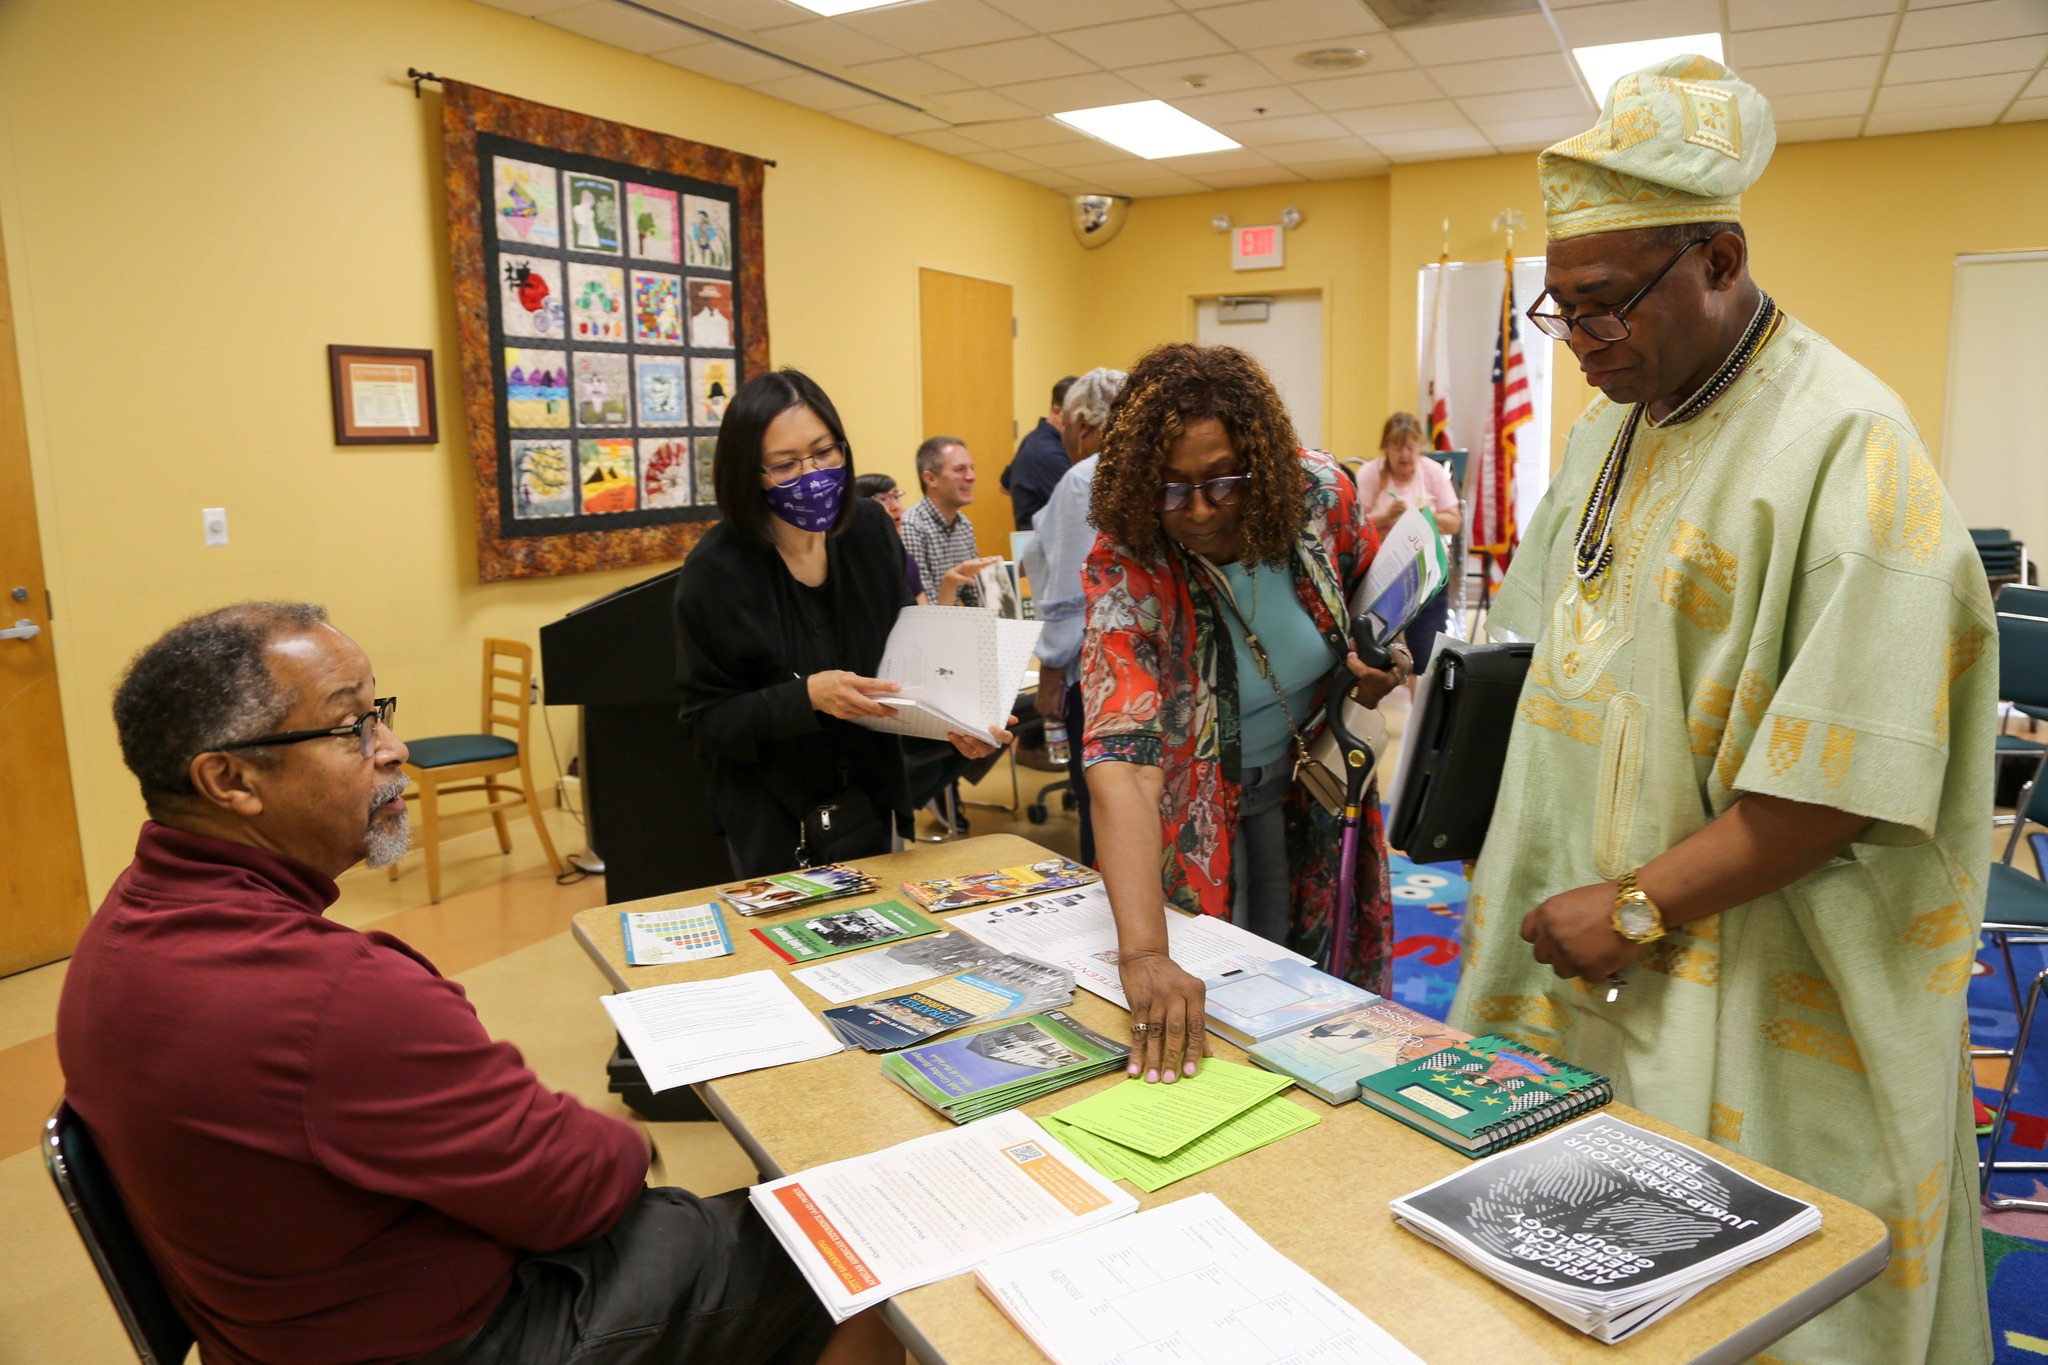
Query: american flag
{"x": 1493, "y": 501}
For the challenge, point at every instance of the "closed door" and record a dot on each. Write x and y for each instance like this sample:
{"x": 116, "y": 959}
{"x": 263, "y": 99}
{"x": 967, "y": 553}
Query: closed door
{"x": 42, "y": 878}
{"x": 967, "y": 342}
{"x": 1994, "y": 456}
{"x": 1288, "y": 342}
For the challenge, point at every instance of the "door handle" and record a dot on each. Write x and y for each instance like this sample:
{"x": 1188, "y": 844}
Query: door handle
{"x": 24, "y": 629}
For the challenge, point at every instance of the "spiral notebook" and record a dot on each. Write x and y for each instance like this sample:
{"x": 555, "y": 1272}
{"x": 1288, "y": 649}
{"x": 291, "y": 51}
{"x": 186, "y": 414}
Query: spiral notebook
{"x": 1485, "y": 1094}
{"x": 960, "y": 668}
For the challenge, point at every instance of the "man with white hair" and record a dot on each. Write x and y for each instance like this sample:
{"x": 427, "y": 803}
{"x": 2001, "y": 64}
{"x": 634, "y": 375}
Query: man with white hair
{"x": 1065, "y": 538}
{"x": 326, "y": 1157}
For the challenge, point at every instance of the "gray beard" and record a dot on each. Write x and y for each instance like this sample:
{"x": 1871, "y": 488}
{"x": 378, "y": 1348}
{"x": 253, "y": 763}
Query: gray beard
{"x": 387, "y": 839}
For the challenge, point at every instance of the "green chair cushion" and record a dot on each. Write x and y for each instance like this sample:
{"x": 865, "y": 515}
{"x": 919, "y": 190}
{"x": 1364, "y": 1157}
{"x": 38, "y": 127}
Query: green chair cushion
{"x": 445, "y": 751}
{"x": 2013, "y": 900}
{"x": 2019, "y": 744}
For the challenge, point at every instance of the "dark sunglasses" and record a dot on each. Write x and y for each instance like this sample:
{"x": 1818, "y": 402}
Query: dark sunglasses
{"x": 1223, "y": 492}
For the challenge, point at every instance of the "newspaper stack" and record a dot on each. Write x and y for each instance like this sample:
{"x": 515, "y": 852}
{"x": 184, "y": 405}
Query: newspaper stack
{"x": 1605, "y": 1225}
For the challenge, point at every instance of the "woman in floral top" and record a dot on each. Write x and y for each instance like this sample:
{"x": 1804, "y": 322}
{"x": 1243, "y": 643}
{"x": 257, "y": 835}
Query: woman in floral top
{"x": 1213, "y": 520}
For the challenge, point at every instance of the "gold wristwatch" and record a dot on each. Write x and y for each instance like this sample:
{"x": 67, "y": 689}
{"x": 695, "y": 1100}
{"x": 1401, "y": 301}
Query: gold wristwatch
{"x": 1636, "y": 916}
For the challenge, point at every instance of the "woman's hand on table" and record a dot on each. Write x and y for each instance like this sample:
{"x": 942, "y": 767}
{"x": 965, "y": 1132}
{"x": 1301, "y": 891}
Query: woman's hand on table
{"x": 1375, "y": 683}
{"x": 845, "y": 695}
{"x": 971, "y": 747}
{"x": 1169, "y": 1036}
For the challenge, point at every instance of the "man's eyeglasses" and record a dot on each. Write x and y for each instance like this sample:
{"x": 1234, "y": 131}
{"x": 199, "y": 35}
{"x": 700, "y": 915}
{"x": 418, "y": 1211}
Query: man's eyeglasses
{"x": 381, "y": 711}
{"x": 1223, "y": 492}
{"x": 784, "y": 471}
{"x": 1599, "y": 326}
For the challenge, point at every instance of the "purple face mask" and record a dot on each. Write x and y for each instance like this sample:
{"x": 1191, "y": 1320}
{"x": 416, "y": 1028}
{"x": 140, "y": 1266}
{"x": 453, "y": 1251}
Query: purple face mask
{"x": 810, "y": 502}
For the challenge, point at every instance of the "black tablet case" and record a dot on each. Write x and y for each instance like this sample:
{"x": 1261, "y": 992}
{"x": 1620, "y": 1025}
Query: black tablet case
{"x": 1450, "y": 778}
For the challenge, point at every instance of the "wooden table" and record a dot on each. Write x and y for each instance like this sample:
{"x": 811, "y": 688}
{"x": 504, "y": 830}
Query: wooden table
{"x": 1320, "y": 1197}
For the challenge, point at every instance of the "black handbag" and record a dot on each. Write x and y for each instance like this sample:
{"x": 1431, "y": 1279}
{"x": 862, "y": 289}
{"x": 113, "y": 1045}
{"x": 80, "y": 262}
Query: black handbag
{"x": 1456, "y": 749}
{"x": 843, "y": 825}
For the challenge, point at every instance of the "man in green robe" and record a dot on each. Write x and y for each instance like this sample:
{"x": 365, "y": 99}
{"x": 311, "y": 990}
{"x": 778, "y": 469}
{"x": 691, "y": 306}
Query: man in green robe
{"x": 1750, "y": 775}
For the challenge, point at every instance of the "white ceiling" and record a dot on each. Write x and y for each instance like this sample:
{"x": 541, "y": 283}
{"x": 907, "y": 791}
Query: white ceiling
{"x": 983, "y": 74}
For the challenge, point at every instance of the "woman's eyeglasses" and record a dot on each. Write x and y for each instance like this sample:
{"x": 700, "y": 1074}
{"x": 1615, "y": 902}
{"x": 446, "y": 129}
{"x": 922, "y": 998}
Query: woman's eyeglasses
{"x": 1223, "y": 492}
{"x": 1599, "y": 326}
{"x": 382, "y": 709}
{"x": 785, "y": 471}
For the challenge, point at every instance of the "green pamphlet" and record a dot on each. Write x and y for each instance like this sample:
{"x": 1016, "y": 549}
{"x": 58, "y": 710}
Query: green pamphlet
{"x": 974, "y": 1075}
{"x": 844, "y": 931}
{"x": 1485, "y": 1094}
{"x": 1264, "y": 1123}
{"x": 1158, "y": 1120}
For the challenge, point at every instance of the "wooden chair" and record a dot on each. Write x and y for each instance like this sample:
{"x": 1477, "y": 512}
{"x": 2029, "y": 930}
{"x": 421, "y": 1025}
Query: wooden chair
{"x": 480, "y": 762}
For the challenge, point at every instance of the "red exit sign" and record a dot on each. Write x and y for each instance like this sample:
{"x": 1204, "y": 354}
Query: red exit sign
{"x": 1257, "y": 248}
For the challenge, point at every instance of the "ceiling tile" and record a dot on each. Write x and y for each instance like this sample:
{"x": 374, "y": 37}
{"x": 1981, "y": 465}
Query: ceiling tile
{"x": 1948, "y": 94}
{"x": 1168, "y": 80}
{"x": 1480, "y": 148}
{"x": 725, "y": 62}
{"x": 884, "y": 117}
{"x": 1515, "y": 36}
{"x": 1053, "y": 180}
{"x": 1319, "y": 149}
{"x": 1529, "y": 134}
{"x": 619, "y": 26}
{"x": 1821, "y": 104}
{"x": 530, "y": 8}
{"x": 1090, "y": 155}
{"x": 908, "y": 76}
{"x": 1346, "y": 170}
{"x": 1927, "y": 120}
{"x": 1809, "y": 78}
{"x": 947, "y": 141}
{"x": 1237, "y": 106}
{"x": 1503, "y": 75}
{"x": 1007, "y": 162}
{"x": 1744, "y": 14}
{"x": 1050, "y": 16}
{"x": 1073, "y": 92}
{"x": 934, "y": 24}
{"x": 1970, "y": 59}
{"x": 1982, "y": 22}
{"x": 1430, "y": 141}
{"x": 2025, "y": 111}
{"x": 813, "y": 92}
{"x": 2037, "y": 88}
{"x": 1235, "y": 180}
{"x": 1820, "y": 130}
{"x": 1016, "y": 59}
{"x": 1934, "y": 4}
{"x": 1634, "y": 20}
{"x": 1146, "y": 185}
{"x": 1271, "y": 22}
{"x": 1012, "y": 134}
{"x": 973, "y": 106}
{"x": 752, "y": 15}
{"x": 1296, "y": 128}
{"x": 1530, "y": 104}
{"x": 1382, "y": 52}
{"x": 1237, "y": 159}
{"x": 1809, "y": 42}
{"x": 1402, "y": 118}
{"x": 1173, "y": 37}
{"x": 1366, "y": 92}
{"x": 829, "y": 41}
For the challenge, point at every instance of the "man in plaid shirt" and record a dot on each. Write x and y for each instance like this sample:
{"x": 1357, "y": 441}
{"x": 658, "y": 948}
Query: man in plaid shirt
{"x": 936, "y": 532}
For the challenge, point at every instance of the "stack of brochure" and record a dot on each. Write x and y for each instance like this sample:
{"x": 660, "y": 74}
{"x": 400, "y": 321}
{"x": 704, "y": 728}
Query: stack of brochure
{"x": 1605, "y": 1225}
{"x": 871, "y": 1227}
{"x": 1000, "y": 988}
{"x": 1330, "y": 1055}
{"x": 787, "y": 890}
{"x": 1410, "y": 569}
{"x": 844, "y": 931}
{"x": 1263, "y": 999}
{"x": 1153, "y": 1135}
{"x": 1004, "y": 884}
{"x": 971, "y": 1077}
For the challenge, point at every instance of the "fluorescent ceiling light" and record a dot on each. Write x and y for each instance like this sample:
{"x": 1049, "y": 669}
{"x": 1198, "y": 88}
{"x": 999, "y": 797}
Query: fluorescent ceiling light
{"x": 1149, "y": 128}
{"x": 1608, "y": 63}
{"x": 829, "y": 8}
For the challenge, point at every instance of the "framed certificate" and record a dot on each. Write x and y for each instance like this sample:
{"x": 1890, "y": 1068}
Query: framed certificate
{"x": 383, "y": 396}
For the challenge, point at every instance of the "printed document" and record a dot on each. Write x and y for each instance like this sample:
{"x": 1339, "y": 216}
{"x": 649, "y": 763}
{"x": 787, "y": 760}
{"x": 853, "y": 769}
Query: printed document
{"x": 699, "y": 1030}
{"x": 870, "y": 1227}
{"x": 960, "y": 668}
{"x": 1409, "y": 569}
{"x": 1187, "y": 1282}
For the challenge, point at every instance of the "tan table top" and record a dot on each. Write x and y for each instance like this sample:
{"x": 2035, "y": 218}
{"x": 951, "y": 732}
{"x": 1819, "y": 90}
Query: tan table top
{"x": 1320, "y": 1197}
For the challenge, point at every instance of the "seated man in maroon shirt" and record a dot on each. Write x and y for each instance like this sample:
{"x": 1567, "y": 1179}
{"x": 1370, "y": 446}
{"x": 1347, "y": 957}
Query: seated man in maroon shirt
{"x": 328, "y": 1159}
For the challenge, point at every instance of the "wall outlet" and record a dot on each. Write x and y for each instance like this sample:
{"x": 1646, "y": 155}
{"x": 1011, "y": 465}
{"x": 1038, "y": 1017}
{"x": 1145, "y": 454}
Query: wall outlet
{"x": 215, "y": 520}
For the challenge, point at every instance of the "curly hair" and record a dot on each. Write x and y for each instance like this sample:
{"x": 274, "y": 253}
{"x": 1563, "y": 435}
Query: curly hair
{"x": 1170, "y": 388}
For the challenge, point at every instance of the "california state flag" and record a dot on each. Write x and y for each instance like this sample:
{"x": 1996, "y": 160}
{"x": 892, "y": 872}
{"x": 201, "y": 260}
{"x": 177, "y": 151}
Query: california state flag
{"x": 1436, "y": 375}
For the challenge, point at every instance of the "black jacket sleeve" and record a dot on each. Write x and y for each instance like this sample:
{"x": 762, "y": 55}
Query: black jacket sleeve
{"x": 736, "y": 693}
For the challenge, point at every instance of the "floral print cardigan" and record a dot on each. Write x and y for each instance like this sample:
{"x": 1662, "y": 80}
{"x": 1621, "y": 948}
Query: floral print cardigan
{"x": 1159, "y": 681}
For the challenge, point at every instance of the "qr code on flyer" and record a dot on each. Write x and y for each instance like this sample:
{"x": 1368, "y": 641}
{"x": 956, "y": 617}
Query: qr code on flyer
{"x": 1023, "y": 1152}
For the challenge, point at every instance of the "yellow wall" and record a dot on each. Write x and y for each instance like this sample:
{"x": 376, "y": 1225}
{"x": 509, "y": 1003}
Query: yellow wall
{"x": 198, "y": 197}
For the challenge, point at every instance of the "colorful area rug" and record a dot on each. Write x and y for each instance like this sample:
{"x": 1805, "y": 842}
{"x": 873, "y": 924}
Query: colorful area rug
{"x": 1429, "y": 904}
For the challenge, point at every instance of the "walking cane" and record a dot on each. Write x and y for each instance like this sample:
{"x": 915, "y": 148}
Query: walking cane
{"x": 1358, "y": 766}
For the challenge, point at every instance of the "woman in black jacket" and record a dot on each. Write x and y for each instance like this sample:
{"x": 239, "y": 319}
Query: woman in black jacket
{"x": 782, "y": 612}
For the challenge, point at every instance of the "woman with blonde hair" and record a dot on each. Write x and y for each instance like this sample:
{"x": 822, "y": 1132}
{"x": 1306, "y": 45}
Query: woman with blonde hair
{"x": 1401, "y": 478}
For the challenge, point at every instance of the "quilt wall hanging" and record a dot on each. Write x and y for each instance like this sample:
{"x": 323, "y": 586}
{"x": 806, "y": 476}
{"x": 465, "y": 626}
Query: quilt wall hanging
{"x": 609, "y": 300}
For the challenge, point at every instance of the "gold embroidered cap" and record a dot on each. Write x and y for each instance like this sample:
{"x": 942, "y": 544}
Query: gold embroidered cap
{"x": 1677, "y": 142}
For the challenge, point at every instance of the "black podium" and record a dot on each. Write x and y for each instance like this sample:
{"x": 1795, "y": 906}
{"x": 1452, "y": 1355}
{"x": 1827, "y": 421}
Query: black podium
{"x": 644, "y": 787}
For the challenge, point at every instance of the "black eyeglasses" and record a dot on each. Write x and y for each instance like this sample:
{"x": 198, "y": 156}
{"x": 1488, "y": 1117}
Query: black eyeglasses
{"x": 382, "y": 709}
{"x": 1599, "y": 326}
{"x": 1223, "y": 492}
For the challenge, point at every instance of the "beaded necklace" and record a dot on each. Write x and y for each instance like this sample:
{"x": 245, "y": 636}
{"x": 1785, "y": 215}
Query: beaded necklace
{"x": 1594, "y": 549}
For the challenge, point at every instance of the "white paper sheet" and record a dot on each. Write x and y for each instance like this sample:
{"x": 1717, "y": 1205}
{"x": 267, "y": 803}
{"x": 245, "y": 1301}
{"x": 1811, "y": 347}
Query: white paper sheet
{"x": 699, "y": 1030}
{"x": 960, "y": 669}
{"x": 870, "y": 1227}
{"x": 1076, "y": 930}
{"x": 842, "y": 979}
{"x": 1186, "y": 1282}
